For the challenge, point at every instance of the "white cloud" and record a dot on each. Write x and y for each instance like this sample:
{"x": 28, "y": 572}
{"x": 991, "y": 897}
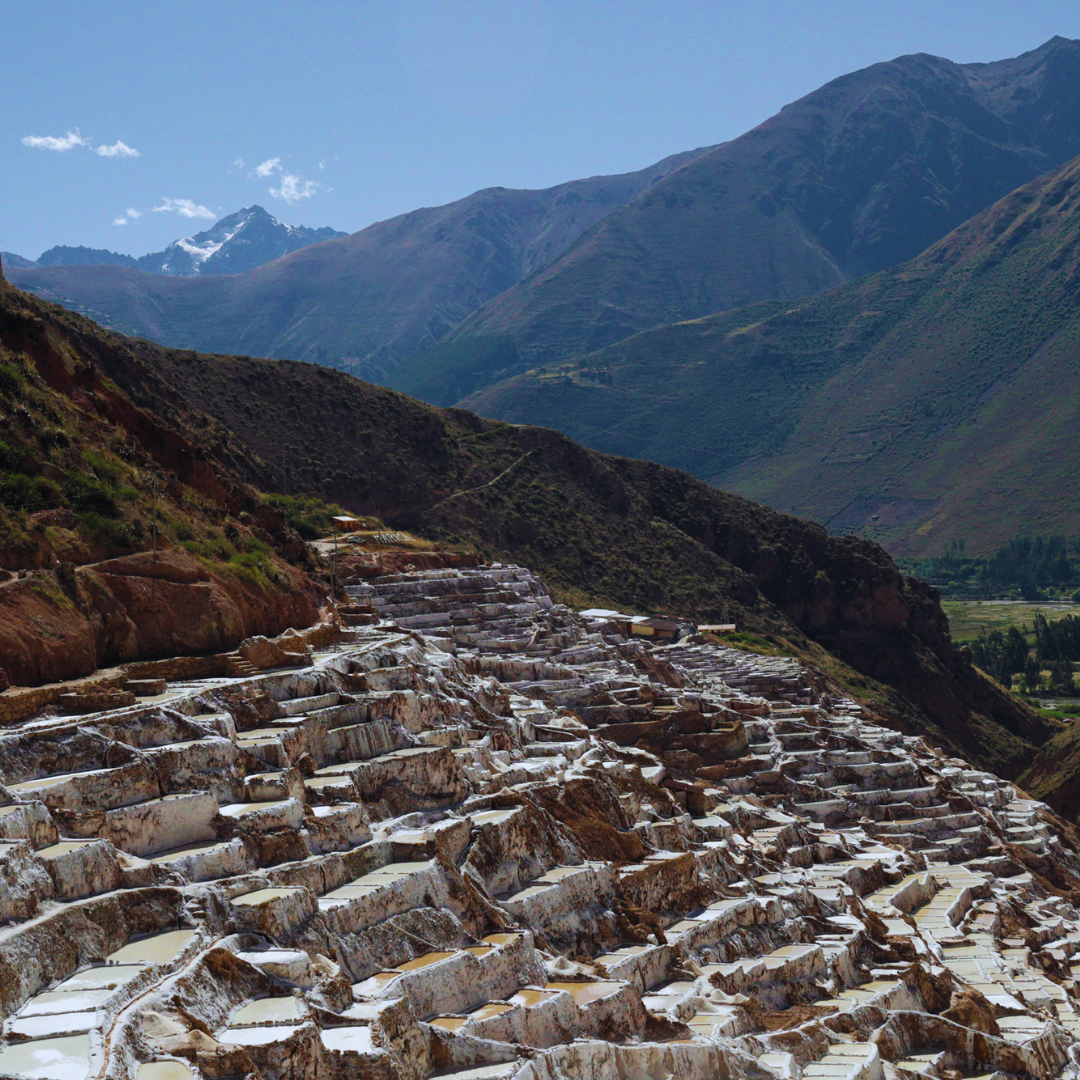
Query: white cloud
{"x": 185, "y": 208}
{"x": 130, "y": 214}
{"x": 268, "y": 167}
{"x": 118, "y": 149}
{"x": 294, "y": 188}
{"x": 59, "y": 143}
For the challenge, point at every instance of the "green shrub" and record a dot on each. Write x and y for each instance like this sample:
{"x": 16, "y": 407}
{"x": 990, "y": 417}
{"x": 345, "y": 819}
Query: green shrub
{"x": 91, "y": 496}
{"x": 10, "y": 457}
{"x": 103, "y": 468}
{"x": 11, "y": 380}
{"x": 108, "y": 532}
{"x": 212, "y": 547}
{"x": 308, "y": 515}
{"x": 254, "y": 563}
{"x": 21, "y": 492}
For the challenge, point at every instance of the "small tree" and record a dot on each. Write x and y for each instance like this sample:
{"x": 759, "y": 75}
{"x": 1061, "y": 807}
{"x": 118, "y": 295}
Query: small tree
{"x": 1032, "y": 675}
{"x": 1061, "y": 677}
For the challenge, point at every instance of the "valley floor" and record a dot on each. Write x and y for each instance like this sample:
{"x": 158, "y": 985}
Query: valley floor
{"x": 488, "y": 837}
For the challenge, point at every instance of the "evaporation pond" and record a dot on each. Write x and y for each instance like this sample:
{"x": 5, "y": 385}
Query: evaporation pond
{"x": 264, "y": 896}
{"x": 156, "y": 949}
{"x": 48, "y": 1059}
{"x": 584, "y": 992}
{"x": 424, "y": 961}
{"x": 492, "y": 1008}
{"x": 163, "y": 1070}
{"x": 192, "y": 849}
{"x": 281, "y": 1010}
{"x": 258, "y": 1036}
{"x": 449, "y": 1023}
{"x": 356, "y": 1040}
{"x": 65, "y": 1002}
{"x": 107, "y": 977}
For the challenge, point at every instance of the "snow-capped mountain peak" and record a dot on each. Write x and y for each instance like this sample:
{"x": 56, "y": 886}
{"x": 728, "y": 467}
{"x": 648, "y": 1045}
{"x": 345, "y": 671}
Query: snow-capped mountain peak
{"x": 233, "y": 245}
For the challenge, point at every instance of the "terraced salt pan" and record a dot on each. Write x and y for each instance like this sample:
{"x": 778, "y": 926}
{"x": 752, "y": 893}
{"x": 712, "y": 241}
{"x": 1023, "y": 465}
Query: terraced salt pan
{"x": 867, "y": 806}
{"x": 163, "y": 1070}
{"x": 258, "y": 1036}
{"x": 107, "y": 977}
{"x": 356, "y": 1040}
{"x": 282, "y": 1010}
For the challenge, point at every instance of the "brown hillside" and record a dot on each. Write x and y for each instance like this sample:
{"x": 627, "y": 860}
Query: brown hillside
{"x": 80, "y": 585}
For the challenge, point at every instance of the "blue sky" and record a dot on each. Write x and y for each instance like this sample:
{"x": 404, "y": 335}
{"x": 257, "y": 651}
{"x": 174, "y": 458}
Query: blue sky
{"x": 342, "y": 114}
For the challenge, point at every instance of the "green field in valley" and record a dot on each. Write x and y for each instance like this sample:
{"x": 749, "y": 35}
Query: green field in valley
{"x": 969, "y": 618}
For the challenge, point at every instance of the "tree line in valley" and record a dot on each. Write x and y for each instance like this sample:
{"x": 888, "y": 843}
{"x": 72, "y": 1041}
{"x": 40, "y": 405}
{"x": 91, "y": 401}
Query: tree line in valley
{"x": 1007, "y": 656}
{"x": 1034, "y": 567}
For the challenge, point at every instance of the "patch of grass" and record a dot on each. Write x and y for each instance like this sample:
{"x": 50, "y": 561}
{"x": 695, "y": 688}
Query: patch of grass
{"x": 42, "y": 585}
{"x": 89, "y": 495}
{"x": 103, "y": 469}
{"x": 106, "y": 531}
{"x": 10, "y": 456}
{"x": 748, "y": 642}
{"x": 26, "y": 493}
{"x": 253, "y": 563}
{"x": 12, "y": 379}
{"x": 309, "y": 515}
{"x": 1063, "y": 710}
{"x": 211, "y": 547}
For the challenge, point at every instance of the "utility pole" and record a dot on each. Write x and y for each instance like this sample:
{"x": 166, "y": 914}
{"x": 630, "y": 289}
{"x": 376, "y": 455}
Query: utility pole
{"x": 154, "y": 493}
{"x": 154, "y": 490}
{"x": 333, "y": 580}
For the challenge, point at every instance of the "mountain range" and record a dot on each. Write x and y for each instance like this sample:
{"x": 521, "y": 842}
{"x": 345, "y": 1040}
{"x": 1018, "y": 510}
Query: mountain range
{"x": 858, "y": 176}
{"x": 938, "y": 400}
{"x": 362, "y": 302}
{"x": 862, "y": 174}
{"x": 894, "y": 404}
{"x": 239, "y": 242}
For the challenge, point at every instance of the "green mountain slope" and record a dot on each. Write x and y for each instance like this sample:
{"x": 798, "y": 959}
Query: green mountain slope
{"x": 858, "y": 176}
{"x": 933, "y": 401}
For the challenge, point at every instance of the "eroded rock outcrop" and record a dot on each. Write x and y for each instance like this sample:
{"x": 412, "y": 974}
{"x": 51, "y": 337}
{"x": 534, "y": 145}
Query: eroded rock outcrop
{"x": 137, "y": 607}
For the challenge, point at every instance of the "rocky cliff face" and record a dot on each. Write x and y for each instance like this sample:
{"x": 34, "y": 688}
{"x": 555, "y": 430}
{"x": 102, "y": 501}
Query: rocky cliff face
{"x": 63, "y": 623}
{"x": 848, "y": 596}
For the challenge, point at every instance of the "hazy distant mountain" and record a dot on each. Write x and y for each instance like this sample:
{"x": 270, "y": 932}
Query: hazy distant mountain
{"x": 12, "y": 261}
{"x": 83, "y": 256}
{"x": 240, "y": 242}
{"x": 364, "y": 302}
{"x": 860, "y": 175}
